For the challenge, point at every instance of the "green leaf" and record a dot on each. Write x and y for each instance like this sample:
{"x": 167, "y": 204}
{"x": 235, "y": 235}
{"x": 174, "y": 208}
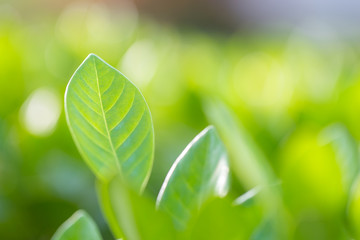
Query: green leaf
{"x": 248, "y": 162}
{"x": 219, "y": 219}
{"x": 266, "y": 230}
{"x": 128, "y": 213}
{"x": 346, "y": 149}
{"x": 353, "y": 210}
{"x": 79, "y": 226}
{"x": 308, "y": 163}
{"x": 199, "y": 173}
{"x": 265, "y": 224}
{"x": 110, "y": 122}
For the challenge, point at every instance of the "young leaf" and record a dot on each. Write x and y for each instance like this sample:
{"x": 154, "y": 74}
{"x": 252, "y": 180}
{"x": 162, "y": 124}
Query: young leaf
{"x": 200, "y": 172}
{"x": 110, "y": 122}
{"x": 79, "y": 226}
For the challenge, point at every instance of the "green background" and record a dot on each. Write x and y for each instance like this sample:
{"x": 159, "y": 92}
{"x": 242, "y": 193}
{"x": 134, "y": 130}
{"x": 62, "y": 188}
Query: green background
{"x": 294, "y": 96}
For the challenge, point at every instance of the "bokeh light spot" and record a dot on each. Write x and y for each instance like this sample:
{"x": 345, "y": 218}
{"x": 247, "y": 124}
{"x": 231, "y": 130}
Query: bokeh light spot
{"x": 40, "y": 112}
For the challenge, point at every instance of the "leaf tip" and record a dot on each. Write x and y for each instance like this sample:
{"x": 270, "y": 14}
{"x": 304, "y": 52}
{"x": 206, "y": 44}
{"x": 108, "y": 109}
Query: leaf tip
{"x": 92, "y": 55}
{"x": 209, "y": 131}
{"x": 80, "y": 213}
{"x": 210, "y": 128}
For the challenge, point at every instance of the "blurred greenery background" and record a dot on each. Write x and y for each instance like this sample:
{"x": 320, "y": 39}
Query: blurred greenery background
{"x": 285, "y": 97}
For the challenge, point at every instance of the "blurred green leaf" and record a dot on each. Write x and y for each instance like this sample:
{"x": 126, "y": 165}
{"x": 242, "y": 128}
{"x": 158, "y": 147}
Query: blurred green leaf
{"x": 128, "y": 213}
{"x": 248, "y": 162}
{"x": 312, "y": 185}
{"x": 110, "y": 122}
{"x": 79, "y": 226}
{"x": 353, "y": 211}
{"x": 346, "y": 150}
{"x": 266, "y": 230}
{"x": 220, "y": 219}
{"x": 250, "y": 165}
{"x": 309, "y": 164}
{"x": 271, "y": 224}
{"x": 200, "y": 172}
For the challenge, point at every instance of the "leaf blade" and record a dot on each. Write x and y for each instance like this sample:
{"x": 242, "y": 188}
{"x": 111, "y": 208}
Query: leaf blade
{"x": 184, "y": 191}
{"x": 110, "y": 122}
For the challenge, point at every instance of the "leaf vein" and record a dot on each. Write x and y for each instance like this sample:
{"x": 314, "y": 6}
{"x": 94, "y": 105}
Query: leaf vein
{"x": 81, "y": 99}
{"x": 138, "y": 146}
{"x": 127, "y": 112}
{"x": 109, "y": 87}
{"x": 104, "y": 117}
{"x": 117, "y": 99}
{"x": 131, "y": 132}
{"x": 91, "y": 124}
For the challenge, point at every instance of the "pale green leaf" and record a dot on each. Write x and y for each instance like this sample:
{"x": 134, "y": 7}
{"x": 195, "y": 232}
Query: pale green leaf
{"x": 79, "y": 226}
{"x": 110, "y": 122}
{"x": 200, "y": 172}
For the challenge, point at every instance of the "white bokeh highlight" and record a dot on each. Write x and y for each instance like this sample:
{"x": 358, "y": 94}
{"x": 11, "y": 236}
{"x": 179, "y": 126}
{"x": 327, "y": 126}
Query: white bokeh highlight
{"x": 40, "y": 112}
{"x": 140, "y": 62}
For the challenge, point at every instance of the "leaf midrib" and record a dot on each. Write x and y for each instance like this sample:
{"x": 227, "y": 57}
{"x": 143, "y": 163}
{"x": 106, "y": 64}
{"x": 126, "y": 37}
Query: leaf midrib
{"x": 104, "y": 117}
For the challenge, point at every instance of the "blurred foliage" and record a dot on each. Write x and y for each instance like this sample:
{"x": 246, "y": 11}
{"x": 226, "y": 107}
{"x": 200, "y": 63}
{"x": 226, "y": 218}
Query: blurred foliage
{"x": 290, "y": 105}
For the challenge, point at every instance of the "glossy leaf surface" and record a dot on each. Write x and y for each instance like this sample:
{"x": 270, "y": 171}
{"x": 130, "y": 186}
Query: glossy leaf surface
{"x": 200, "y": 172}
{"x": 79, "y": 226}
{"x": 110, "y": 122}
